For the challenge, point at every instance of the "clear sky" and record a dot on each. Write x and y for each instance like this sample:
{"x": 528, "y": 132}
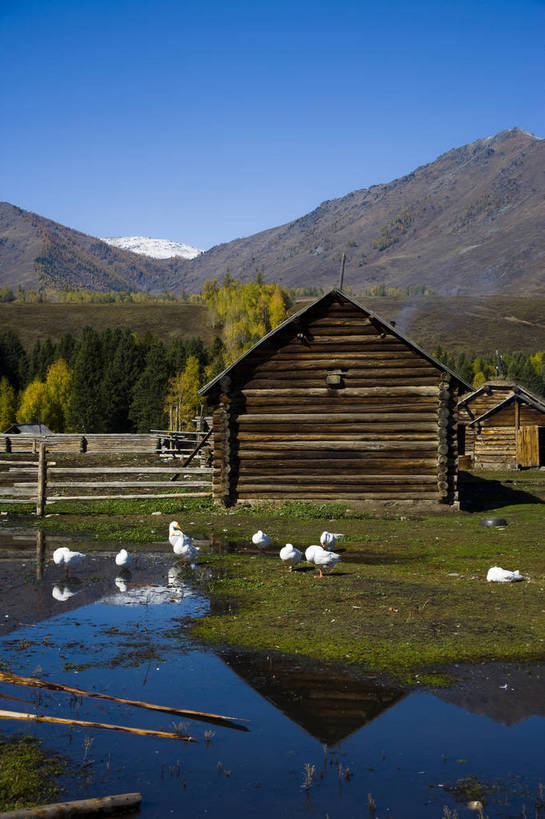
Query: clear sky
{"x": 207, "y": 120}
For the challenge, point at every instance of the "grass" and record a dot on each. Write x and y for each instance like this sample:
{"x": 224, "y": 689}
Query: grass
{"x": 33, "y": 322}
{"x": 409, "y": 597}
{"x": 28, "y": 776}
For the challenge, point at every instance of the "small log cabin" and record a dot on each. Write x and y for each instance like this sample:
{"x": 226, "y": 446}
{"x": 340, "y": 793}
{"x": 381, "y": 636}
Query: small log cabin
{"x": 502, "y": 426}
{"x": 335, "y": 405}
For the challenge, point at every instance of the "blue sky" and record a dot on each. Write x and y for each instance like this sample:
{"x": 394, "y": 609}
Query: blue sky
{"x": 204, "y": 121}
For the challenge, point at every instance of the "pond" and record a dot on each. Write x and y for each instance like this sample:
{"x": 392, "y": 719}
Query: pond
{"x": 343, "y": 734}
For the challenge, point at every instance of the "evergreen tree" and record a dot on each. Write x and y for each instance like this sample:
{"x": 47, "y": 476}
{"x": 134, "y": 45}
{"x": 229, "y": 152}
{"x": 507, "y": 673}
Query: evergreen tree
{"x": 67, "y": 348}
{"x": 8, "y": 404}
{"x": 177, "y": 354}
{"x": 85, "y": 413}
{"x": 148, "y": 398}
{"x": 13, "y": 359}
{"x": 121, "y": 372}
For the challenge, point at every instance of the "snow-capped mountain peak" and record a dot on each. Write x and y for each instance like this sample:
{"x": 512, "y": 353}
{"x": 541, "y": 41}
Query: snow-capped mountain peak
{"x": 156, "y": 248}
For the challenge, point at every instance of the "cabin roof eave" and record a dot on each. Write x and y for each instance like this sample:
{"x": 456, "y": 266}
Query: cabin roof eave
{"x": 525, "y": 399}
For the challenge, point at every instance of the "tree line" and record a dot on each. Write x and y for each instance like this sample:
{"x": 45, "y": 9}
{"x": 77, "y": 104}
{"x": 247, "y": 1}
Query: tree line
{"x": 526, "y": 369}
{"x": 109, "y": 381}
{"x": 115, "y": 381}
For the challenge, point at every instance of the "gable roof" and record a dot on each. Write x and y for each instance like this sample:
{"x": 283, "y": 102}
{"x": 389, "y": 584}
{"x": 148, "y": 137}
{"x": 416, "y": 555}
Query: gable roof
{"x": 28, "y": 429}
{"x": 331, "y": 296}
{"x": 515, "y": 396}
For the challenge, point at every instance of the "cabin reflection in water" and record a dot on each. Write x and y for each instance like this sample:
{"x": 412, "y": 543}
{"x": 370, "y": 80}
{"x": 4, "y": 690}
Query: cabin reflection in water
{"x": 328, "y": 702}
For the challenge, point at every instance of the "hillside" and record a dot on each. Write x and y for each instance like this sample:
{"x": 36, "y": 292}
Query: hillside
{"x": 456, "y": 323}
{"x": 470, "y": 223}
{"x": 37, "y": 252}
{"x": 33, "y": 322}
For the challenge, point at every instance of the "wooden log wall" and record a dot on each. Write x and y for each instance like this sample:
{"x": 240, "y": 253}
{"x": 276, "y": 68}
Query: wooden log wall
{"x": 387, "y": 432}
{"x": 495, "y": 442}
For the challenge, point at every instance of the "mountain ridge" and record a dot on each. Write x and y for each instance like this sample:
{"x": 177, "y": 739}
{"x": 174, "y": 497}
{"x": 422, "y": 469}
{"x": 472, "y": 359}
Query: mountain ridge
{"x": 470, "y": 222}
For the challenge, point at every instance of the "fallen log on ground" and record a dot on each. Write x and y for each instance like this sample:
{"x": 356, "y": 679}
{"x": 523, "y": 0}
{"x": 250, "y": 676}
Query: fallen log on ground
{"x": 103, "y": 805}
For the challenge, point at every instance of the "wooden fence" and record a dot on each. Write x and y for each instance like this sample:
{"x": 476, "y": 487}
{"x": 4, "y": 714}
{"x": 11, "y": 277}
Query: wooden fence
{"x": 39, "y": 479}
{"x": 164, "y": 442}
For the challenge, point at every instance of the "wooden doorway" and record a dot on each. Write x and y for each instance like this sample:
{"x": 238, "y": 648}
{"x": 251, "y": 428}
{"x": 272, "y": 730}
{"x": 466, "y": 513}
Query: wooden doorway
{"x": 528, "y": 446}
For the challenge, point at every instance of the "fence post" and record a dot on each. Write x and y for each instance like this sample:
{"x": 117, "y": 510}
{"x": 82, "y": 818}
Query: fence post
{"x": 42, "y": 481}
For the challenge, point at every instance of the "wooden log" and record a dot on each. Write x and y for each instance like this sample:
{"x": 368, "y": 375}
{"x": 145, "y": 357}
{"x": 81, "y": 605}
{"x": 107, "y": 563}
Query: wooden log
{"x": 35, "y": 682}
{"x": 99, "y": 805}
{"x": 361, "y": 479}
{"x": 335, "y": 417}
{"x": 366, "y": 432}
{"x": 54, "y": 498}
{"x": 360, "y": 392}
{"x": 324, "y": 493}
{"x": 119, "y": 484}
{"x": 87, "y": 724}
{"x": 127, "y": 470}
{"x": 325, "y": 466}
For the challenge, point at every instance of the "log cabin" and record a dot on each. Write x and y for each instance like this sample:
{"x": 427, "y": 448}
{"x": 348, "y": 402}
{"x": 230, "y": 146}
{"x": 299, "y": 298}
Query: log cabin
{"x": 335, "y": 405}
{"x": 501, "y": 426}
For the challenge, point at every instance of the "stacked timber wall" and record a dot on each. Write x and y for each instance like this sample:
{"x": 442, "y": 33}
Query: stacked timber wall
{"x": 497, "y": 441}
{"x": 335, "y": 407}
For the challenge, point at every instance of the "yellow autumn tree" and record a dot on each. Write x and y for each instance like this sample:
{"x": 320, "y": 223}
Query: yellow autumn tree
{"x": 8, "y": 404}
{"x": 277, "y": 307}
{"x": 48, "y": 401}
{"x": 536, "y": 361}
{"x": 245, "y": 310}
{"x": 33, "y": 400}
{"x": 479, "y": 378}
{"x": 183, "y": 393}
{"x": 58, "y": 391}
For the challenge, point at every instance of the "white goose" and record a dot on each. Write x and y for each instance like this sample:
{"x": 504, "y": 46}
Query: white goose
{"x": 123, "y": 558}
{"x": 328, "y": 540}
{"x": 182, "y": 544}
{"x": 290, "y": 556}
{"x": 499, "y": 575}
{"x": 65, "y": 557}
{"x": 323, "y": 559}
{"x": 309, "y": 553}
{"x": 261, "y": 540}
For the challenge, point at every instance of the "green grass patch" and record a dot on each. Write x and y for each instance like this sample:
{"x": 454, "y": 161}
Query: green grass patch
{"x": 28, "y": 776}
{"x": 409, "y": 596}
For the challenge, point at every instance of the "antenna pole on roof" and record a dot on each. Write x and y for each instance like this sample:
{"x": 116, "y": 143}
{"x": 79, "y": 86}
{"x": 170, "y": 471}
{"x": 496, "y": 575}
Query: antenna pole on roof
{"x": 341, "y": 276}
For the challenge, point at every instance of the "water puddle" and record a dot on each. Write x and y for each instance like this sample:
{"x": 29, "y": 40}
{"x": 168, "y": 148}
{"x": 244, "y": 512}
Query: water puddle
{"x": 321, "y": 737}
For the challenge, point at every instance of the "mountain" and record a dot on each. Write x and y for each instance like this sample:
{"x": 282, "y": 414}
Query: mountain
{"x": 37, "y": 252}
{"x": 156, "y": 248}
{"x": 471, "y": 222}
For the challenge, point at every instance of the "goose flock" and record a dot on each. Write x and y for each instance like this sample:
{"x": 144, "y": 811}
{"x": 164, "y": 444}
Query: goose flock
{"x": 322, "y": 556}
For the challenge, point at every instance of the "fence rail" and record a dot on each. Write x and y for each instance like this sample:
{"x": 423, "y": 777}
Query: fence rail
{"x": 163, "y": 442}
{"x": 43, "y": 481}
